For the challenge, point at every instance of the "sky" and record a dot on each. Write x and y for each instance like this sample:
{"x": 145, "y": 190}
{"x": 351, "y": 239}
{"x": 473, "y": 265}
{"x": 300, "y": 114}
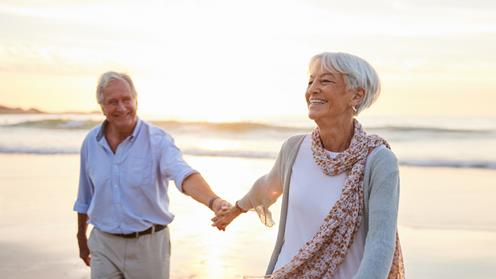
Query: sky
{"x": 224, "y": 60}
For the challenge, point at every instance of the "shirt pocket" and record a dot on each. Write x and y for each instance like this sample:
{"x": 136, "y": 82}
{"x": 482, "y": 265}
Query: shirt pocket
{"x": 98, "y": 176}
{"x": 138, "y": 171}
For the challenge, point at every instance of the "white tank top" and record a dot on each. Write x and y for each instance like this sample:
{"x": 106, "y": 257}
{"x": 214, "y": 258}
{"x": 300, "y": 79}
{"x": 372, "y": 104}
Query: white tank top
{"x": 311, "y": 196}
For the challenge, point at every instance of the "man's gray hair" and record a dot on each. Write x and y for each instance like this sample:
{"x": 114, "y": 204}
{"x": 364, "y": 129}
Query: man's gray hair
{"x": 357, "y": 72}
{"x": 106, "y": 78}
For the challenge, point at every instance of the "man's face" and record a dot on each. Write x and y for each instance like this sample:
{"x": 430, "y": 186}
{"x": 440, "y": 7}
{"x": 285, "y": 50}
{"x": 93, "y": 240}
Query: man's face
{"x": 119, "y": 106}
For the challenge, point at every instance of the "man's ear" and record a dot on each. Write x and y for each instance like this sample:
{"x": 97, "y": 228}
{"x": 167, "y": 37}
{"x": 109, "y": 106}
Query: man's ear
{"x": 101, "y": 108}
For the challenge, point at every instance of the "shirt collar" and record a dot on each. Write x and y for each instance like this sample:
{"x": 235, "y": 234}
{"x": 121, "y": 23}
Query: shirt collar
{"x": 136, "y": 130}
{"x": 133, "y": 136}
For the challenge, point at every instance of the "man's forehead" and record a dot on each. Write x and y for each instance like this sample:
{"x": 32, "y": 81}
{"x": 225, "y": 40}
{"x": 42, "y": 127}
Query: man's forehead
{"x": 117, "y": 83}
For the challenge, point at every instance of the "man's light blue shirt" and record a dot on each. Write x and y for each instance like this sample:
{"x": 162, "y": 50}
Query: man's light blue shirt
{"x": 126, "y": 192}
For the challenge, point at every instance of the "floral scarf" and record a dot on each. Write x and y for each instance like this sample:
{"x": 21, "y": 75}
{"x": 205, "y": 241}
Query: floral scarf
{"x": 321, "y": 256}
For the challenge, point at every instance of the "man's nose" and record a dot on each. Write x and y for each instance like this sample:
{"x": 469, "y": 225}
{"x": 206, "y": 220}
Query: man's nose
{"x": 120, "y": 106}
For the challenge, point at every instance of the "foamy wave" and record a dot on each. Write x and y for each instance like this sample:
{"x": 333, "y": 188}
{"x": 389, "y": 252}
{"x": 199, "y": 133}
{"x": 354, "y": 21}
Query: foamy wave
{"x": 476, "y": 164}
{"x": 228, "y": 153}
{"x": 241, "y": 127}
{"x": 38, "y": 151}
{"x": 234, "y": 127}
{"x": 450, "y": 227}
{"x": 65, "y": 124}
{"x": 426, "y": 129}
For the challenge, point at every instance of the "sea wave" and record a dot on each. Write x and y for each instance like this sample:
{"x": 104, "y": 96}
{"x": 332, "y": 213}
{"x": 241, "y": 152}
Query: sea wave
{"x": 475, "y": 164}
{"x": 450, "y": 227}
{"x": 243, "y": 127}
{"x": 426, "y": 129}
{"x": 234, "y": 127}
{"x": 38, "y": 150}
{"x": 231, "y": 153}
{"x": 64, "y": 124}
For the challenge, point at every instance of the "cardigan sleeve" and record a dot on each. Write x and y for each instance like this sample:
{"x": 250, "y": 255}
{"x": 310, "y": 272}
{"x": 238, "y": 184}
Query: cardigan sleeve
{"x": 380, "y": 241}
{"x": 266, "y": 190}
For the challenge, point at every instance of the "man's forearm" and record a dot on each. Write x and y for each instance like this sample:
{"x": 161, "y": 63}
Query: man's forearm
{"x": 84, "y": 251}
{"x": 196, "y": 187}
{"x": 82, "y": 224}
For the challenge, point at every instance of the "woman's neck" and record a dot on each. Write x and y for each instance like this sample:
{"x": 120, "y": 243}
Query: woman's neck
{"x": 336, "y": 135}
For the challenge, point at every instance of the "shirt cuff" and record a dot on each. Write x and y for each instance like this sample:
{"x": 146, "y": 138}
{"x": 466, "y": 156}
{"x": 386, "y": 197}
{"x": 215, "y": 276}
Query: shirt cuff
{"x": 245, "y": 203}
{"x": 80, "y": 207}
{"x": 180, "y": 178}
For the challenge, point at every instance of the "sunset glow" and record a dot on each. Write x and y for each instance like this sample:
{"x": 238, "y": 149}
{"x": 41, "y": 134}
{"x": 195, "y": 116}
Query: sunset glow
{"x": 224, "y": 60}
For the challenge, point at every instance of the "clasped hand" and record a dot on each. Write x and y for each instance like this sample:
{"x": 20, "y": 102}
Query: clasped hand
{"x": 224, "y": 215}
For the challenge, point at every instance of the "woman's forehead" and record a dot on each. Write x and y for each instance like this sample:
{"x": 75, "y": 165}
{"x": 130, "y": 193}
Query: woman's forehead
{"x": 320, "y": 71}
{"x": 318, "y": 68}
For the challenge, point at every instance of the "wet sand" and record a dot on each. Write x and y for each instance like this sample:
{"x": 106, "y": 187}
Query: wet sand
{"x": 447, "y": 225}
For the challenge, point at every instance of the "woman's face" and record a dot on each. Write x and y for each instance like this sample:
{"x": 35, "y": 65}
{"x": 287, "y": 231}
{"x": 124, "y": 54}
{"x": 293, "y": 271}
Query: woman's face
{"x": 327, "y": 96}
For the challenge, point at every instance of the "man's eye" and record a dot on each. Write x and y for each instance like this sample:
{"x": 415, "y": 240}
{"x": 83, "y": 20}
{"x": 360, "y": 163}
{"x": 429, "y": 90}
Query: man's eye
{"x": 310, "y": 82}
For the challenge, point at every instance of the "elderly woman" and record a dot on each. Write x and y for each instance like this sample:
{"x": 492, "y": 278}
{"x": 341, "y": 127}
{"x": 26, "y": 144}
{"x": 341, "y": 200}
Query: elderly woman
{"x": 340, "y": 186}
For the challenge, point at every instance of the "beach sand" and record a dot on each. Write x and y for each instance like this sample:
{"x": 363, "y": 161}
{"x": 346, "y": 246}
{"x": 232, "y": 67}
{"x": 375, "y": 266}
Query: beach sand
{"x": 446, "y": 224}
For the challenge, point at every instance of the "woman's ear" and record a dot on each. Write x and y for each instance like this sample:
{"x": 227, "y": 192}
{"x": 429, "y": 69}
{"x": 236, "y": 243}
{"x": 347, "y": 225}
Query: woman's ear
{"x": 358, "y": 97}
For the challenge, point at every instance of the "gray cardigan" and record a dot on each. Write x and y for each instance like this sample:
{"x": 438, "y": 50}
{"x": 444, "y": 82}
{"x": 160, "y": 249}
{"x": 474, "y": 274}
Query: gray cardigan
{"x": 381, "y": 197}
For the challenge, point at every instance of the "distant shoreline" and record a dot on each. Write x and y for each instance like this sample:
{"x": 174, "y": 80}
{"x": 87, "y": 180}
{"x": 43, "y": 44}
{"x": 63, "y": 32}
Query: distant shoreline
{"x": 10, "y": 110}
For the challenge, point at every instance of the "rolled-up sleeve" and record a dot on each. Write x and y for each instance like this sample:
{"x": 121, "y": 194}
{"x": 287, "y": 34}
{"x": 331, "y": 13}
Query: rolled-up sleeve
{"x": 265, "y": 191}
{"x": 172, "y": 164}
{"x": 85, "y": 191}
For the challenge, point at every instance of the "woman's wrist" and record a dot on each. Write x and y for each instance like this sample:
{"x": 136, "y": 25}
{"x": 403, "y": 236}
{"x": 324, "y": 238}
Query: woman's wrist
{"x": 240, "y": 209}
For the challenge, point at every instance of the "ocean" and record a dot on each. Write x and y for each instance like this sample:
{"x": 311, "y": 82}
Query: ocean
{"x": 454, "y": 142}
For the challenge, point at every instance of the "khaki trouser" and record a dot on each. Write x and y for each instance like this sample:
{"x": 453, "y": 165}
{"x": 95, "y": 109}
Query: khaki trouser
{"x": 146, "y": 257}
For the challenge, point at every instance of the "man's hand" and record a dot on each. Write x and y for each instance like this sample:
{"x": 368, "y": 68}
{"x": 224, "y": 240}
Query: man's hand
{"x": 221, "y": 207}
{"x": 225, "y": 217}
{"x": 84, "y": 251}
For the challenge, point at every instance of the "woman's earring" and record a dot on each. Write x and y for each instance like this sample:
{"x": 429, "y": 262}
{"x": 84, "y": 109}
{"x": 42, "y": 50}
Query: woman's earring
{"x": 354, "y": 109}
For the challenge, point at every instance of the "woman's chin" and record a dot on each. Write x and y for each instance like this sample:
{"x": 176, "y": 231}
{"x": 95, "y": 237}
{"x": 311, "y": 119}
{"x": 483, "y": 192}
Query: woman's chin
{"x": 314, "y": 116}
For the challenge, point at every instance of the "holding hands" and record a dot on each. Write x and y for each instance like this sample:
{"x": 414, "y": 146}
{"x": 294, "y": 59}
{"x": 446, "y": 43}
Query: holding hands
{"x": 219, "y": 206}
{"x": 226, "y": 215}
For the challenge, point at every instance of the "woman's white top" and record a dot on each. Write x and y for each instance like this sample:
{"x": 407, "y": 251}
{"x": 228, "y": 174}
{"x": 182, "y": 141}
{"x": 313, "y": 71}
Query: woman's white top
{"x": 311, "y": 196}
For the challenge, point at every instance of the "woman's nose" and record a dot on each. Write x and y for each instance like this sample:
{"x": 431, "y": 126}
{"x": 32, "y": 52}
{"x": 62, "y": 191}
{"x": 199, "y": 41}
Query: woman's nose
{"x": 313, "y": 88}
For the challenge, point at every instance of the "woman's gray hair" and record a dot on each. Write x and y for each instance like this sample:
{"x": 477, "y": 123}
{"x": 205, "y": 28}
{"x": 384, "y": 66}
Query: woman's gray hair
{"x": 357, "y": 73}
{"x": 106, "y": 78}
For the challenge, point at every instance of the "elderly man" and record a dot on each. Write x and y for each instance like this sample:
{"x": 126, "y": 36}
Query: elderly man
{"x": 126, "y": 164}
